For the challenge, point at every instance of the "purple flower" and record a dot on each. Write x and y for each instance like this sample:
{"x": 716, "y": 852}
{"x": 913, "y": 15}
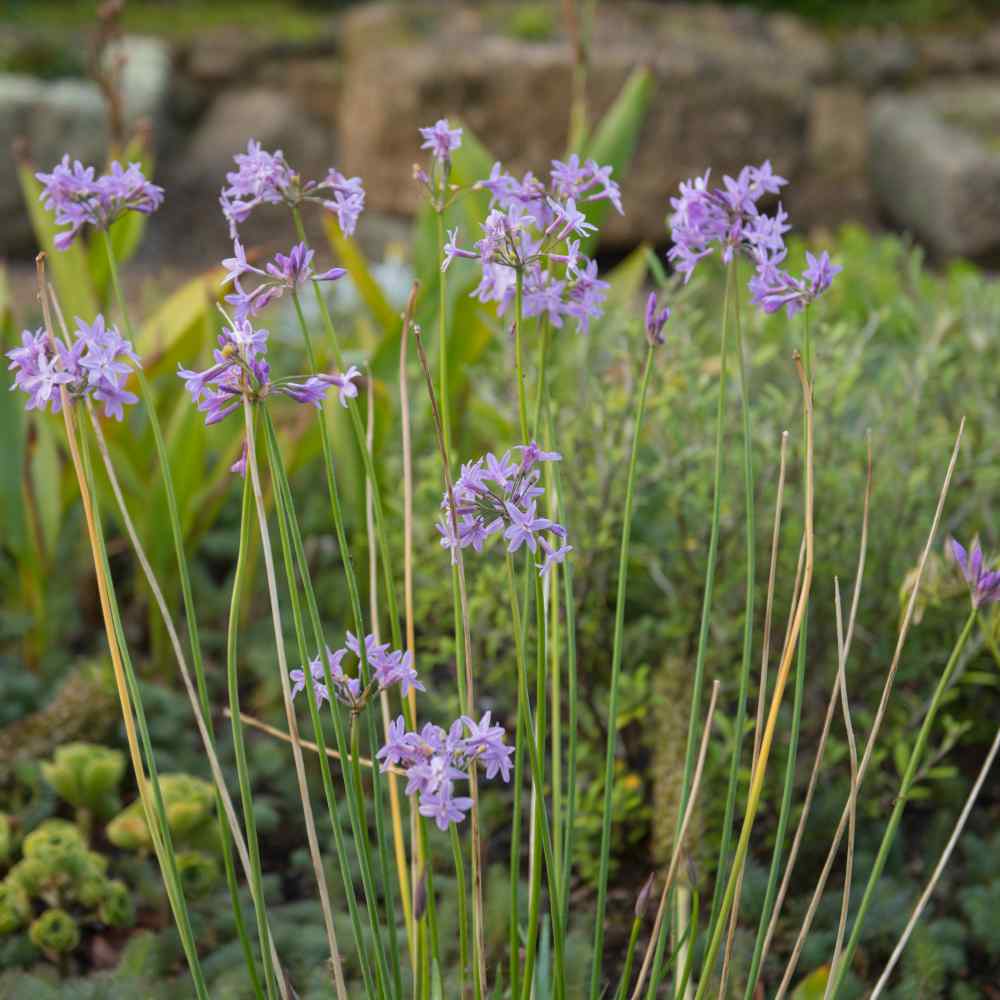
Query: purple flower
{"x": 266, "y": 178}
{"x": 725, "y": 218}
{"x": 434, "y": 760}
{"x": 322, "y": 693}
{"x": 441, "y": 140}
{"x": 452, "y": 250}
{"x": 443, "y": 806}
{"x": 530, "y": 229}
{"x": 773, "y": 288}
{"x": 94, "y": 365}
{"x": 983, "y": 583}
{"x": 283, "y": 273}
{"x": 586, "y": 295}
{"x": 77, "y": 199}
{"x": 571, "y": 180}
{"x": 655, "y": 320}
{"x": 498, "y": 496}
{"x": 553, "y": 555}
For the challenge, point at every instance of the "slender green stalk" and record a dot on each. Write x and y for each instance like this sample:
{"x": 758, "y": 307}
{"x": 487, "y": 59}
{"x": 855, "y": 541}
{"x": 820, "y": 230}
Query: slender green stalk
{"x": 293, "y": 729}
{"x": 442, "y": 336}
{"x": 156, "y": 816}
{"x": 234, "y": 901}
{"x": 463, "y": 917}
{"x": 785, "y": 810}
{"x": 748, "y": 619}
{"x": 713, "y": 547}
{"x": 534, "y": 757}
{"x": 692, "y": 935}
{"x": 522, "y": 404}
{"x": 349, "y": 763}
{"x": 616, "y": 660}
{"x": 572, "y": 693}
{"x": 781, "y": 680}
{"x": 354, "y": 594}
{"x": 239, "y": 743}
{"x": 182, "y": 564}
{"x": 626, "y": 975}
{"x": 897, "y": 812}
{"x": 698, "y": 681}
{"x": 381, "y": 533}
{"x": 283, "y": 504}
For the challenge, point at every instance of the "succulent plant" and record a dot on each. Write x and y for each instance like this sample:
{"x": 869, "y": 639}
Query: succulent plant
{"x": 87, "y": 776}
{"x": 15, "y": 907}
{"x": 55, "y": 932}
{"x": 6, "y": 838}
{"x": 116, "y": 909}
{"x": 189, "y": 803}
{"x": 199, "y": 872}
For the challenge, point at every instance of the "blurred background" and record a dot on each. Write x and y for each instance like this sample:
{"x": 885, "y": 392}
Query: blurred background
{"x": 883, "y": 112}
{"x": 885, "y": 117}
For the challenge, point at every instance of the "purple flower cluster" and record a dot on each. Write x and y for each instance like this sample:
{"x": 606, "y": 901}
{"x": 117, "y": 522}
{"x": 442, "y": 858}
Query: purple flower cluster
{"x": 78, "y": 197}
{"x": 772, "y": 288}
{"x": 498, "y": 496}
{"x": 537, "y": 230}
{"x": 983, "y": 583}
{"x": 434, "y": 760}
{"x": 95, "y": 365}
{"x": 729, "y": 219}
{"x": 387, "y": 667}
{"x": 282, "y": 274}
{"x": 240, "y": 369}
{"x": 266, "y": 178}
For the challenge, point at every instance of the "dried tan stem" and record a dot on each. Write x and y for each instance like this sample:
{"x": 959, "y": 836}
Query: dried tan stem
{"x": 476, "y": 851}
{"x": 843, "y": 648}
{"x": 879, "y": 716}
{"x": 762, "y": 687}
{"x": 647, "y": 960}
{"x": 938, "y": 869}
{"x": 398, "y": 842}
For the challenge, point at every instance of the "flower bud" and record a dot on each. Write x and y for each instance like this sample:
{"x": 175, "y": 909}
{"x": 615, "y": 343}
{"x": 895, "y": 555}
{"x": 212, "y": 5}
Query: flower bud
{"x": 420, "y": 897}
{"x": 655, "y": 321}
{"x": 642, "y": 902}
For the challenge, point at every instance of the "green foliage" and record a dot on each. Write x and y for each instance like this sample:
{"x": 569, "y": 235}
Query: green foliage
{"x": 55, "y": 932}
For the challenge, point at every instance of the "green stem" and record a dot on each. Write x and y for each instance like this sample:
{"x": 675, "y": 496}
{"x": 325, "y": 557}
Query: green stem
{"x": 616, "y": 660}
{"x": 785, "y": 811}
{"x": 698, "y": 681}
{"x": 159, "y": 827}
{"x": 748, "y": 619}
{"x": 239, "y": 743}
{"x": 283, "y": 504}
{"x": 356, "y": 803}
{"x": 442, "y": 338}
{"x": 626, "y": 976}
{"x": 897, "y": 812}
{"x": 572, "y": 693}
{"x": 522, "y": 404}
{"x": 354, "y": 594}
{"x": 463, "y": 918}
{"x": 177, "y": 536}
{"x": 534, "y": 758}
{"x": 381, "y": 534}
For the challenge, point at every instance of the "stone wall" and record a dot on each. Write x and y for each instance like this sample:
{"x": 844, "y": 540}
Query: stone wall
{"x": 868, "y": 126}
